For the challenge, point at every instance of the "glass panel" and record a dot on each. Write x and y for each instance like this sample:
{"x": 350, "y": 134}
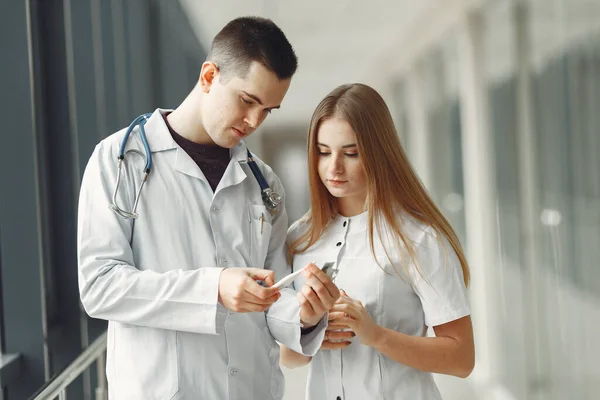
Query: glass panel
{"x": 443, "y": 114}
{"x": 566, "y": 72}
{"x": 508, "y": 295}
{"x": 400, "y": 112}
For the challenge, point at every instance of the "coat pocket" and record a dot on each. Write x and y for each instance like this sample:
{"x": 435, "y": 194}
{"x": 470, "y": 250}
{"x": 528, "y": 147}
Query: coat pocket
{"x": 277, "y": 379}
{"x": 145, "y": 363}
{"x": 260, "y": 233}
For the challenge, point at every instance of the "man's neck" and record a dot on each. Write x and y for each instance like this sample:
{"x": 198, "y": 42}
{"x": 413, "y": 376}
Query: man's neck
{"x": 186, "y": 122}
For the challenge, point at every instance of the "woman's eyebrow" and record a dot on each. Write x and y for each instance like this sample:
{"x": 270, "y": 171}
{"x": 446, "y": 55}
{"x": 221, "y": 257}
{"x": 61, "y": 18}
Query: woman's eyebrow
{"x": 346, "y": 146}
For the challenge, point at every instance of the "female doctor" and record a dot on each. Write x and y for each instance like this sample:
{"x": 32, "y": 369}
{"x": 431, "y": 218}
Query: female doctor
{"x": 401, "y": 267}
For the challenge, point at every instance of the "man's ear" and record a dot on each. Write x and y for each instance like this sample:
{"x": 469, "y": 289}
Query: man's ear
{"x": 208, "y": 75}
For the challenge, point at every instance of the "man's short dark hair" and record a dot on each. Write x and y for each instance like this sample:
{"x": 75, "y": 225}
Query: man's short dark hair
{"x": 248, "y": 39}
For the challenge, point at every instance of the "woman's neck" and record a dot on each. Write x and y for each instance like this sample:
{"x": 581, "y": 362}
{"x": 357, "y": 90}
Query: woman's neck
{"x": 351, "y": 206}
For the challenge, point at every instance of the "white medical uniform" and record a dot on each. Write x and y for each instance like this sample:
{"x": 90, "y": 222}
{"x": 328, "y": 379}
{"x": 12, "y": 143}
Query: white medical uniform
{"x": 360, "y": 372}
{"x": 155, "y": 279}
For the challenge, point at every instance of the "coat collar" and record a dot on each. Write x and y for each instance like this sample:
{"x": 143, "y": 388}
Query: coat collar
{"x": 160, "y": 139}
{"x": 157, "y": 133}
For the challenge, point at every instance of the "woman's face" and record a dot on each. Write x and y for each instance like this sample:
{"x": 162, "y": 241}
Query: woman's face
{"x": 340, "y": 167}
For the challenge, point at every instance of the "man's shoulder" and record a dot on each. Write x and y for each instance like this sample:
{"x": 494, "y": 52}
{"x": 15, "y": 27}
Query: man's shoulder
{"x": 110, "y": 144}
{"x": 268, "y": 172}
{"x": 261, "y": 164}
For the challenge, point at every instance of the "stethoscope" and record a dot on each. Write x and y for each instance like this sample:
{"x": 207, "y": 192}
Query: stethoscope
{"x": 271, "y": 198}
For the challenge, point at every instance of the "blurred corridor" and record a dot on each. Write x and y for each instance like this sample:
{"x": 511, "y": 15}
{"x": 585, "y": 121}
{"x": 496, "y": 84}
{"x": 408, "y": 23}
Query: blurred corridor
{"x": 496, "y": 101}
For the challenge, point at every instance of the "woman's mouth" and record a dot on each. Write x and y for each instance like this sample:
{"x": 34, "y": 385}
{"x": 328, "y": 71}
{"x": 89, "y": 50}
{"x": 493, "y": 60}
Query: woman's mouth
{"x": 336, "y": 182}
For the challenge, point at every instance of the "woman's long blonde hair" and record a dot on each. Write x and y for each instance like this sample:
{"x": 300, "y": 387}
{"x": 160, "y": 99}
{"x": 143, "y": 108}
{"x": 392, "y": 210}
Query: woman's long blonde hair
{"x": 392, "y": 184}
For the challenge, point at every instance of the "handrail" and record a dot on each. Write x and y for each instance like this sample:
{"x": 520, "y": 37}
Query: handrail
{"x": 57, "y": 386}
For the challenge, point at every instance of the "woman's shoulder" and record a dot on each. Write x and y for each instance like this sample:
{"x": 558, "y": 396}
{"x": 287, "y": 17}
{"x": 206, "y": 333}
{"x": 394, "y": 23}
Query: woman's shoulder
{"x": 298, "y": 228}
{"x": 419, "y": 232}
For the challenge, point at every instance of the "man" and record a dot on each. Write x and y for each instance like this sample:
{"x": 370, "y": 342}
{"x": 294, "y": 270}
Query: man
{"x": 187, "y": 319}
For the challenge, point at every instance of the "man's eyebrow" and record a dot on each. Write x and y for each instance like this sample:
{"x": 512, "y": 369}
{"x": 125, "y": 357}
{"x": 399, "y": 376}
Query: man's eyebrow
{"x": 346, "y": 146}
{"x": 258, "y": 100}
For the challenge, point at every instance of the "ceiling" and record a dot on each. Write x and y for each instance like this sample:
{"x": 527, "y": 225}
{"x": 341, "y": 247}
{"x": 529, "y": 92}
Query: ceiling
{"x": 336, "y": 41}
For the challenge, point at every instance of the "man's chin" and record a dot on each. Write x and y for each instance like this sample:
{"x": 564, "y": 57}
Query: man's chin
{"x": 229, "y": 142}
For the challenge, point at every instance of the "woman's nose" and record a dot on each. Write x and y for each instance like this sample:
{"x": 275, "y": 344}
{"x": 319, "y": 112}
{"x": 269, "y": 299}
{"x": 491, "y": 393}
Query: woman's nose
{"x": 337, "y": 165}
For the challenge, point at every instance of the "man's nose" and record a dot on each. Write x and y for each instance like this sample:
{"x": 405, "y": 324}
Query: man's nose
{"x": 253, "y": 119}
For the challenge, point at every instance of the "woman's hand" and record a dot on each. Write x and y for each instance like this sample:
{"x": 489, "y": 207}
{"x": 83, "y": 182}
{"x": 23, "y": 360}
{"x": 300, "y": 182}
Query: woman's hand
{"x": 317, "y": 296}
{"x": 354, "y": 315}
{"x": 337, "y": 336}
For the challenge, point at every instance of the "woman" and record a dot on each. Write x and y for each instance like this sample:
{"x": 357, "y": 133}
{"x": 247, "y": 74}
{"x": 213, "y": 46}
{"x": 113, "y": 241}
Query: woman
{"x": 401, "y": 267}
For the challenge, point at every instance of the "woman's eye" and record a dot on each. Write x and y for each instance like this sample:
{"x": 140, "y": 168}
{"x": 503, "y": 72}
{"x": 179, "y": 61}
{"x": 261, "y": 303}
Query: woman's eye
{"x": 352, "y": 154}
{"x": 246, "y": 101}
{"x": 324, "y": 153}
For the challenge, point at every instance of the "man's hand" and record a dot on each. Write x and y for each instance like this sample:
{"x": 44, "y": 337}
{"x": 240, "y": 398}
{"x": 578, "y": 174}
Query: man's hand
{"x": 317, "y": 296}
{"x": 239, "y": 291}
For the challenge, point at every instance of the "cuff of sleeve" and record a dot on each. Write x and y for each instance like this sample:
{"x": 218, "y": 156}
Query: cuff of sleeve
{"x": 310, "y": 342}
{"x": 449, "y": 316}
{"x": 217, "y": 314}
{"x": 306, "y": 331}
{"x": 283, "y": 319}
{"x": 221, "y": 318}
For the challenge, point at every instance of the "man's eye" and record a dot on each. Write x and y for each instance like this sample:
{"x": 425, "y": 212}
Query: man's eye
{"x": 246, "y": 101}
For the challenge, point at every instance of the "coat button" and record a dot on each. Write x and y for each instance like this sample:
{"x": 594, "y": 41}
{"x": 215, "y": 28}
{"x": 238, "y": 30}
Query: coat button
{"x": 345, "y": 223}
{"x": 338, "y": 244}
{"x": 223, "y": 261}
{"x": 214, "y": 208}
{"x": 338, "y": 398}
{"x": 232, "y": 371}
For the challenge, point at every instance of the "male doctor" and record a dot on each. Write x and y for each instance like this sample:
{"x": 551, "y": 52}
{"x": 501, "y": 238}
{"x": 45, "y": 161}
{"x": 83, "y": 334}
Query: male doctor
{"x": 187, "y": 319}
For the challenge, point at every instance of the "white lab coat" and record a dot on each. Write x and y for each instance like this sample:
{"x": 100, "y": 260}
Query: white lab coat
{"x": 155, "y": 279}
{"x": 360, "y": 372}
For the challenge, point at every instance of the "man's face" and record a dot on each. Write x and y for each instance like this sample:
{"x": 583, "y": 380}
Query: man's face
{"x": 235, "y": 108}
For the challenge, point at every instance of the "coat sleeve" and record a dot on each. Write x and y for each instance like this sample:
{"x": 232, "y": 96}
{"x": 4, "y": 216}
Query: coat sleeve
{"x": 283, "y": 317}
{"x": 111, "y": 286}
